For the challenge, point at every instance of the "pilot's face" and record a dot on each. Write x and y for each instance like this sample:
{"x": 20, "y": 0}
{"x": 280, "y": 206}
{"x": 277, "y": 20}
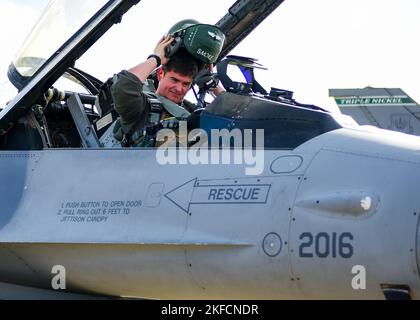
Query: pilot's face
{"x": 174, "y": 86}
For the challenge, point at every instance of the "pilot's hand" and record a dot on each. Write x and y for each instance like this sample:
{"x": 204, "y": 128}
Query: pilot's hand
{"x": 165, "y": 41}
{"x": 206, "y": 80}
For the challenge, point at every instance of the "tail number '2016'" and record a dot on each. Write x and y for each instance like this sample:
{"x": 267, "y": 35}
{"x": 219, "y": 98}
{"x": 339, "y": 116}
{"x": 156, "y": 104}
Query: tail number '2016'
{"x": 324, "y": 245}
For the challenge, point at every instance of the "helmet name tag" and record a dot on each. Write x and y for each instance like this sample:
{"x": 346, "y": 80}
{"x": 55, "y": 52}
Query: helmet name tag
{"x": 205, "y": 54}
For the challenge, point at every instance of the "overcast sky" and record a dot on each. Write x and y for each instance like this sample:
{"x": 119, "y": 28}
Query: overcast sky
{"x": 309, "y": 46}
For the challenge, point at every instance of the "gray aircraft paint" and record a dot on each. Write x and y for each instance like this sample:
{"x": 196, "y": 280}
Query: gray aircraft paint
{"x": 236, "y": 250}
{"x": 119, "y": 224}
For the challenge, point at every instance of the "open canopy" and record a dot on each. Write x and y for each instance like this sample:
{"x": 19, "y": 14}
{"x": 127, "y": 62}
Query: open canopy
{"x": 60, "y": 20}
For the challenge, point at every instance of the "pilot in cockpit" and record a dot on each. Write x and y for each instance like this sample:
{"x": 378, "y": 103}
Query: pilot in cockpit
{"x": 181, "y": 58}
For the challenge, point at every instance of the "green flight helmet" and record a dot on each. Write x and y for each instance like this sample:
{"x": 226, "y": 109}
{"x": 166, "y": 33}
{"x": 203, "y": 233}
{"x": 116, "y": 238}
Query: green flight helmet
{"x": 203, "y": 41}
{"x": 181, "y": 25}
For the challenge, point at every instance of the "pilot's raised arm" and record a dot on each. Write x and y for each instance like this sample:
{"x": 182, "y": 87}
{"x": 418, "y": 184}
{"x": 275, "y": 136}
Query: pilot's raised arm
{"x": 132, "y": 94}
{"x": 155, "y": 60}
{"x": 177, "y": 60}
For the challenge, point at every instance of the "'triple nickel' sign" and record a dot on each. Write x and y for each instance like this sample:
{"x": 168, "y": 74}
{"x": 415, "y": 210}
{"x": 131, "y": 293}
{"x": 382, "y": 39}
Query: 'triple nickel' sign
{"x": 374, "y": 101}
